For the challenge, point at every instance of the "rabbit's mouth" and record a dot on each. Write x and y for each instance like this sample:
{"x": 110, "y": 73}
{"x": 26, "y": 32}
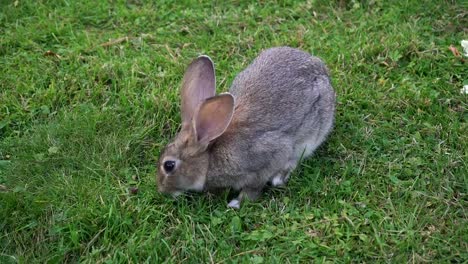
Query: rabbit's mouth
{"x": 179, "y": 193}
{"x": 171, "y": 193}
{"x": 167, "y": 191}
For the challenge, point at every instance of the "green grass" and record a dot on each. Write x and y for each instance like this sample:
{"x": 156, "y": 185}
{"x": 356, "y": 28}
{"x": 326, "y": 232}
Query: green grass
{"x": 77, "y": 130}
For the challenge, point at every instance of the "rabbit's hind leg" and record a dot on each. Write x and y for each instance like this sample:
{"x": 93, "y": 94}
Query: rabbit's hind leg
{"x": 282, "y": 177}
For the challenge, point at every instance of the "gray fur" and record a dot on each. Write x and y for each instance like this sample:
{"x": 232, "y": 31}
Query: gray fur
{"x": 284, "y": 109}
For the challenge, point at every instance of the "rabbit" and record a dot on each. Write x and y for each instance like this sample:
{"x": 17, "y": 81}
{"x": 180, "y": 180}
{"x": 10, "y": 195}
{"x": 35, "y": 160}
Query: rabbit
{"x": 278, "y": 111}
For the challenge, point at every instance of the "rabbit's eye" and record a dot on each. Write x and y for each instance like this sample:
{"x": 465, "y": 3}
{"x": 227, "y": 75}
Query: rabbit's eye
{"x": 169, "y": 165}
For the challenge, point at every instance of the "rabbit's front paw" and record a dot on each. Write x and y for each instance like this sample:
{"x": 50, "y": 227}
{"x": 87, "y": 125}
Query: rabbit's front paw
{"x": 234, "y": 204}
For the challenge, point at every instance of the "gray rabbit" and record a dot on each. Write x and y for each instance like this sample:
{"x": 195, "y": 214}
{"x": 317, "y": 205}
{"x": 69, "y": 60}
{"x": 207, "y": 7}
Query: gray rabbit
{"x": 278, "y": 110}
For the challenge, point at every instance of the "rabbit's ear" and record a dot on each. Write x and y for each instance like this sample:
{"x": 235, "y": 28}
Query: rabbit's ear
{"x": 198, "y": 85}
{"x": 213, "y": 117}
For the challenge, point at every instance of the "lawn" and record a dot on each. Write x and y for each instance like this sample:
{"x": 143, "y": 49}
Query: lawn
{"x": 89, "y": 96}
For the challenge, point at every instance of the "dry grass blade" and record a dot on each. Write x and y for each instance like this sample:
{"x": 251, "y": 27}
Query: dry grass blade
{"x": 50, "y": 53}
{"x": 113, "y": 42}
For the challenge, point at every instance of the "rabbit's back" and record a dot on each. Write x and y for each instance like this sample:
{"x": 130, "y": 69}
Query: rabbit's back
{"x": 284, "y": 90}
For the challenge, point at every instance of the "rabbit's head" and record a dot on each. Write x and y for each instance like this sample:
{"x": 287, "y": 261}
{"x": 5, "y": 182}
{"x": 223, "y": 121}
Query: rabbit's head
{"x": 183, "y": 165}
